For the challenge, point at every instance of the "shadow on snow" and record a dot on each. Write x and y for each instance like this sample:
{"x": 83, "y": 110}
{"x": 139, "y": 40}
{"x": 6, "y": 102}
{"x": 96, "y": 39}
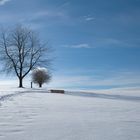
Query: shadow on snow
{"x": 105, "y": 96}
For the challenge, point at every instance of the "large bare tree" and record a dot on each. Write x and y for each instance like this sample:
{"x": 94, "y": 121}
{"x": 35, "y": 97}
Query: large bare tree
{"x": 21, "y": 51}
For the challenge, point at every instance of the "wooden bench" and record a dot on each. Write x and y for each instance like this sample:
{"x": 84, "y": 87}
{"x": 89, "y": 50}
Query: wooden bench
{"x": 57, "y": 91}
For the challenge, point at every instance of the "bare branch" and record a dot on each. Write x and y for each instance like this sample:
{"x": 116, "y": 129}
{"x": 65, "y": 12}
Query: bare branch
{"x": 21, "y": 51}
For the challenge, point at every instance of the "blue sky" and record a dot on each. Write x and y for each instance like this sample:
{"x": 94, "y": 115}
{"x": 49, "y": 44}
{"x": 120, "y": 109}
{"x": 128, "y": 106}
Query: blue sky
{"x": 96, "y": 42}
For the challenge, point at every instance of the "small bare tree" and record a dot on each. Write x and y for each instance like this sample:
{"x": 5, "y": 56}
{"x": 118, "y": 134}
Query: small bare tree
{"x": 40, "y": 76}
{"x": 21, "y": 51}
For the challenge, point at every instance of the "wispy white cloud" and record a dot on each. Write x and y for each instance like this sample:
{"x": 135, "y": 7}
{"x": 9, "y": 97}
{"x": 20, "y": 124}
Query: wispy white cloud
{"x": 64, "y": 5}
{"x": 101, "y": 42}
{"x": 6, "y": 18}
{"x": 36, "y": 19}
{"x": 78, "y": 46}
{"x": 2, "y": 2}
{"x": 89, "y": 18}
{"x": 43, "y": 16}
{"x": 114, "y": 42}
{"x": 51, "y": 14}
{"x": 111, "y": 41}
{"x": 108, "y": 42}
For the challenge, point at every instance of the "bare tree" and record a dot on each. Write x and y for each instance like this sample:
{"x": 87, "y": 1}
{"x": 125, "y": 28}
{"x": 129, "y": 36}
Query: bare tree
{"x": 21, "y": 51}
{"x": 40, "y": 76}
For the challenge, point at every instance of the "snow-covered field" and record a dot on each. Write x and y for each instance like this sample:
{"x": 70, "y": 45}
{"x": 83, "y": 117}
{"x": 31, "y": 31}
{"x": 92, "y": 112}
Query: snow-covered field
{"x": 27, "y": 114}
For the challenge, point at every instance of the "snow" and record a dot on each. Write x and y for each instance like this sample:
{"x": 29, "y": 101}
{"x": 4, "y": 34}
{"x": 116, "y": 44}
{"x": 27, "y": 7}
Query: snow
{"x": 33, "y": 114}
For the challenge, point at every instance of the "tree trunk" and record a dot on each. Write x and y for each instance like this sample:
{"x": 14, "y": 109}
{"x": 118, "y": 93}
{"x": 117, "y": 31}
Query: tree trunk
{"x": 20, "y": 82}
{"x": 40, "y": 85}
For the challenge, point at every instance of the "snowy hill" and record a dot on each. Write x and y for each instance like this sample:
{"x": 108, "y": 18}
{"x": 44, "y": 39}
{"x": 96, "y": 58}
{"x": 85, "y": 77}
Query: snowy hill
{"x": 33, "y": 114}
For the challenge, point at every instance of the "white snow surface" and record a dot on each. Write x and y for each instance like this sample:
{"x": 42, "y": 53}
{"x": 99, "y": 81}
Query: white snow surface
{"x": 33, "y": 114}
